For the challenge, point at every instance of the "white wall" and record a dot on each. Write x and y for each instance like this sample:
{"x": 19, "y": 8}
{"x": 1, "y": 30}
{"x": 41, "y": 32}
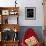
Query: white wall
{"x": 27, "y": 3}
{"x": 39, "y": 12}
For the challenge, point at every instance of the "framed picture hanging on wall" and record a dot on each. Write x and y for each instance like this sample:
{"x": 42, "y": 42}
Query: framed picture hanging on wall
{"x": 30, "y": 13}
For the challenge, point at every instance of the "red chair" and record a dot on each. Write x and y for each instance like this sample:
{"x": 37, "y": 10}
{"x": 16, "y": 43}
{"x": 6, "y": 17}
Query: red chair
{"x": 29, "y": 33}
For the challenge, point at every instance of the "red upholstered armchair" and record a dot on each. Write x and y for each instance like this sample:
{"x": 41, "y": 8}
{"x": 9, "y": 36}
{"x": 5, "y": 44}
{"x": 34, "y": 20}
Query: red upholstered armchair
{"x": 30, "y": 39}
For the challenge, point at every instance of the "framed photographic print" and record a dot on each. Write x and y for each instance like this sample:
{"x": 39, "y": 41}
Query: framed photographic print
{"x": 30, "y": 13}
{"x": 5, "y": 12}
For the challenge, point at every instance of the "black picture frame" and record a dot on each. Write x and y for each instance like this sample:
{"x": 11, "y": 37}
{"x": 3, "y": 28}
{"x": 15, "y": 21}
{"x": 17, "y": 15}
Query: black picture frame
{"x": 30, "y": 13}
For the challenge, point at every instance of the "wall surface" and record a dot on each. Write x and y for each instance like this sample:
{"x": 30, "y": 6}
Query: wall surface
{"x": 26, "y": 3}
{"x": 39, "y": 13}
{"x": 37, "y": 24}
{"x": 37, "y": 29}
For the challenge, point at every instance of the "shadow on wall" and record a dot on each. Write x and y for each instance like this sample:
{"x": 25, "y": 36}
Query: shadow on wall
{"x": 37, "y": 29}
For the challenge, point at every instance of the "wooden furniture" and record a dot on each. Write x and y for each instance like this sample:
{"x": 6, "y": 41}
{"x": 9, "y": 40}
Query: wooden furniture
{"x": 8, "y": 11}
{"x": 10, "y": 43}
{"x": 44, "y": 36}
{"x": 7, "y": 23}
{"x": 0, "y": 43}
{"x": 44, "y": 9}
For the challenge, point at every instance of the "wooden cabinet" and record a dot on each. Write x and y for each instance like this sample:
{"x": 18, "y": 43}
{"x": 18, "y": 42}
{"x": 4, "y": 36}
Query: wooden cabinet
{"x": 10, "y": 43}
{"x": 44, "y": 36}
{"x": 9, "y": 23}
{"x": 44, "y": 8}
{"x": 7, "y": 13}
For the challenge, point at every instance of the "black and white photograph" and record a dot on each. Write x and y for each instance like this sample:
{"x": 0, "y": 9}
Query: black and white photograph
{"x": 30, "y": 13}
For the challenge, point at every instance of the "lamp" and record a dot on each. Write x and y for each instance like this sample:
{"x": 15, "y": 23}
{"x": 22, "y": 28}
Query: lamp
{"x": 15, "y": 3}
